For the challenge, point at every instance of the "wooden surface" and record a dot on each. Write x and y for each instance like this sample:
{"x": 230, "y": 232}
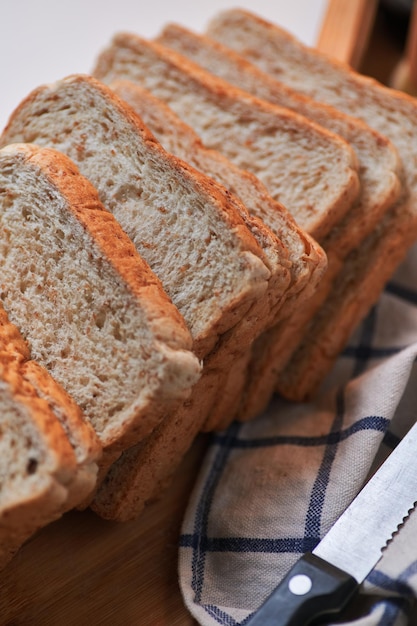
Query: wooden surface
{"x": 82, "y": 570}
{"x": 346, "y": 28}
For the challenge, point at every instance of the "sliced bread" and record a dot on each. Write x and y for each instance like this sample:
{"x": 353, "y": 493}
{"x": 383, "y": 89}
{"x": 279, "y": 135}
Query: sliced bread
{"x": 181, "y": 221}
{"x": 391, "y": 113}
{"x": 306, "y": 267}
{"x": 130, "y": 482}
{"x": 379, "y": 172}
{"x": 313, "y": 172}
{"x": 93, "y": 313}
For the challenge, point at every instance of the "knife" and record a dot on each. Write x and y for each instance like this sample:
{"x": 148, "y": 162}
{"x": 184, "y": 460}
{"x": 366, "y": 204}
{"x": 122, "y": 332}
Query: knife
{"x": 322, "y": 582}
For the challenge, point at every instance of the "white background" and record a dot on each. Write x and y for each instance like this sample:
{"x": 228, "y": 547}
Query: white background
{"x": 44, "y": 40}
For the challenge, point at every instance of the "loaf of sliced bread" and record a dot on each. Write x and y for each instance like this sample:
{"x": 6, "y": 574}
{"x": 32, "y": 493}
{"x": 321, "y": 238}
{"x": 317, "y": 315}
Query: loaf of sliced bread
{"x": 391, "y": 113}
{"x": 93, "y": 313}
{"x": 182, "y": 222}
{"x": 304, "y": 255}
{"x": 313, "y": 172}
{"x": 38, "y": 465}
{"x": 379, "y": 171}
{"x": 130, "y": 483}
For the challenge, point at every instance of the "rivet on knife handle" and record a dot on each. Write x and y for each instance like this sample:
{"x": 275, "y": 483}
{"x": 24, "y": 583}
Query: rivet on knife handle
{"x": 312, "y": 588}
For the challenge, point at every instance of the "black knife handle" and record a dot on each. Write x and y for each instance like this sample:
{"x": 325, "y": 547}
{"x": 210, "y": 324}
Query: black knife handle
{"x": 312, "y": 588}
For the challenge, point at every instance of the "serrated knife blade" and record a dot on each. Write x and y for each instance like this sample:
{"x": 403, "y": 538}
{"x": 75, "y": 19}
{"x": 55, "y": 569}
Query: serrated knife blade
{"x": 322, "y": 582}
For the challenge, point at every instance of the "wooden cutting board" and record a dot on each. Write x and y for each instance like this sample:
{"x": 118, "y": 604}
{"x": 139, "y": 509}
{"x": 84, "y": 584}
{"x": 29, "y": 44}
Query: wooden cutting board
{"x": 82, "y": 570}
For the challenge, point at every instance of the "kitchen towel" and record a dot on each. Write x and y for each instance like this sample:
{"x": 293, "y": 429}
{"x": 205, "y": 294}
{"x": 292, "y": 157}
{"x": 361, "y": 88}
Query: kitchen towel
{"x": 269, "y": 490}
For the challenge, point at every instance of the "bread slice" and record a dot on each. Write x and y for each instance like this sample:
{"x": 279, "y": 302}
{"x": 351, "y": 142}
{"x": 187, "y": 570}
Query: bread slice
{"x": 309, "y": 170}
{"x": 389, "y": 112}
{"x": 379, "y": 172}
{"x": 306, "y": 265}
{"x": 270, "y": 222}
{"x": 93, "y": 313}
{"x": 37, "y": 464}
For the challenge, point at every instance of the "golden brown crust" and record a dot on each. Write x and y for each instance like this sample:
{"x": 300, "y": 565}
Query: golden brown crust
{"x": 11, "y": 341}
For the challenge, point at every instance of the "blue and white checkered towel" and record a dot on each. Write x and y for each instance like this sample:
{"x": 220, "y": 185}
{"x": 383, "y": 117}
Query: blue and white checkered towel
{"x": 270, "y": 489}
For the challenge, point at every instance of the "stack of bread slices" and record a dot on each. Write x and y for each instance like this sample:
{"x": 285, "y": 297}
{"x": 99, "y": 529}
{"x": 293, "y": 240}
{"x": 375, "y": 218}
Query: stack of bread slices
{"x": 198, "y": 224}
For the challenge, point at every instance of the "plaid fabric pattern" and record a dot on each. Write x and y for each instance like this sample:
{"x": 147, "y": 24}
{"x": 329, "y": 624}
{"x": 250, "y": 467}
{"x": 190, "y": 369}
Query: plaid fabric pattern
{"x": 270, "y": 489}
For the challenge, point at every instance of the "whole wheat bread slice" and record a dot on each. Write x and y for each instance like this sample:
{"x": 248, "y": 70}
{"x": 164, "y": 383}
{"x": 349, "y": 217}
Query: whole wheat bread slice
{"x": 270, "y": 222}
{"x": 93, "y": 313}
{"x": 389, "y": 112}
{"x": 308, "y": 169}
{"x": 379, "y": 171}
{"x": 306, "y": 268}
{"x": 181, "y": 221}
